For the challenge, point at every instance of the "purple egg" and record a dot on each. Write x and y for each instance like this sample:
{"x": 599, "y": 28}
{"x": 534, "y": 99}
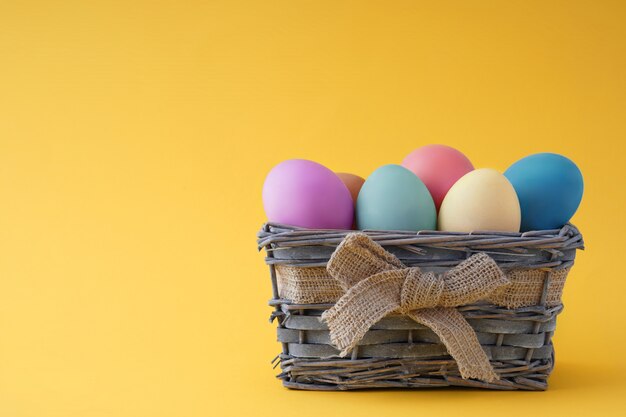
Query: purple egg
{"x": 306, "y": 194}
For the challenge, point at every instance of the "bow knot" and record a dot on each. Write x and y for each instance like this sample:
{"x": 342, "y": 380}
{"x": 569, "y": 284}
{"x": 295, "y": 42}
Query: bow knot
{"x": 420, "y": 290}
{"x": 377, "y": 283}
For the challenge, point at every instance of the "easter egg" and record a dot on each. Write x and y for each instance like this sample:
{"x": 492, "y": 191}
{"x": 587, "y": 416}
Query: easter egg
{"x": 353, "y": 182}
{"x": 549, "y": 187}
{"x": 306, "y": 194}
{"x": 482, "y": 199}
{"x": 393, "y": 198}
{"x": 439, "y": 167}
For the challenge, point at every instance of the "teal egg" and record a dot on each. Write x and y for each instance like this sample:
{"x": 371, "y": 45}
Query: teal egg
{"x": 394, "y": 198}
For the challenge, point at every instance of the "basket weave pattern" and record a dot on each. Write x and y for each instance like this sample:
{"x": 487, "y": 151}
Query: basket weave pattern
{"x": 397, "y": 351}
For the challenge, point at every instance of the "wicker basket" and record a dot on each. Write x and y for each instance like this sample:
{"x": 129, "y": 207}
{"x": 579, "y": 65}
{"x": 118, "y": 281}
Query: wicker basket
{"x": 397, "y": 352}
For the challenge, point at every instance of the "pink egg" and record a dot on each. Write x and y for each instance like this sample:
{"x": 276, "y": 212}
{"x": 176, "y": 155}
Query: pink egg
{"x": 306, "y": 194}
{"x": 439, "y": 167}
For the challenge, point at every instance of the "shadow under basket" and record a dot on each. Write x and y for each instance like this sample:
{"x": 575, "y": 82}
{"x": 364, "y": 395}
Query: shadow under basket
{"x": 398, "y": 352}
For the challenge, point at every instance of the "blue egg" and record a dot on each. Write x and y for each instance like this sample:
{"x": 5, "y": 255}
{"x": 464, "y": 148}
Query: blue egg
{"x": 549, "y": 187}
{"x": 394, "y": 198}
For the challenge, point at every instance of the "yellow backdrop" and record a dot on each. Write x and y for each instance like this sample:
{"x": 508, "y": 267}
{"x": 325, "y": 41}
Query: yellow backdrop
{"x": 134, "y": 140}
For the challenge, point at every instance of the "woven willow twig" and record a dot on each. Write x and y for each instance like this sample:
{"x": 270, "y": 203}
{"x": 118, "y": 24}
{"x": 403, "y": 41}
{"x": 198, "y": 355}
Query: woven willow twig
{"x": 397, "y": 352}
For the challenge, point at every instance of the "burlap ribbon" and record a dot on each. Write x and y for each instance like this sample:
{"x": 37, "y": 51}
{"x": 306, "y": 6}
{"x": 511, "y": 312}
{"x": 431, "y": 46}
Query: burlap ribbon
{"x": 377, "y": 283}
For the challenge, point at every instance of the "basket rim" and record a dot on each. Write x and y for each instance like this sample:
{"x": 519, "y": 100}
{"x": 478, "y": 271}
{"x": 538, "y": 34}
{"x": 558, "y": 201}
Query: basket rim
{"x": 566, "y": 238}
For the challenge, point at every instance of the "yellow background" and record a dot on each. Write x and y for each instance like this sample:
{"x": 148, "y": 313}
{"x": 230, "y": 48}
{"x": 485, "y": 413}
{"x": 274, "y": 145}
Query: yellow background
{"x": 134, "y": 140}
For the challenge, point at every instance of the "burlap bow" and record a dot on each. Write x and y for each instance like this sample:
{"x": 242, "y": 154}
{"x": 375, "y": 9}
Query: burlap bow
{"x": 377, "y": 283}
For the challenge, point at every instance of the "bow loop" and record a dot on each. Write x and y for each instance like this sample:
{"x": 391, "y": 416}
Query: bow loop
{"x": 358, "y": 257}
{"x": 377, "y": 283}
{"x": 472, "y": 280}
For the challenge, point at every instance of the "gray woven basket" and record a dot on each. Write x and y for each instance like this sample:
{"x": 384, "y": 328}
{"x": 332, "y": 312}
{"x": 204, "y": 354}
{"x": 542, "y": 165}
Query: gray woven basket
{"x": 400, "y": 353}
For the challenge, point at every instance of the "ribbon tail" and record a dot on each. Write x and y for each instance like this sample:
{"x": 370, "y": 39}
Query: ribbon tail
{"x": 460, "y": 340}
{"x": 361, "y": 307}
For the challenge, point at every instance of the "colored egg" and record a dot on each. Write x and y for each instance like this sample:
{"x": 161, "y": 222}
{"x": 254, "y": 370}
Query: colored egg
{"x": 393, "y": 198}
{"x": 439, "y": 167}
{"x": 482, "y": 199}
{"x": 306, "y": 194}
{"x": 549, "y": 187}
{"x": 353, "y": 182}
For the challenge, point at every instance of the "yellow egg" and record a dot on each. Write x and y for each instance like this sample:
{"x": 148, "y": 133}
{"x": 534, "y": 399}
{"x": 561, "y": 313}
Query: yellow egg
{"x": 482, "y": 199}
